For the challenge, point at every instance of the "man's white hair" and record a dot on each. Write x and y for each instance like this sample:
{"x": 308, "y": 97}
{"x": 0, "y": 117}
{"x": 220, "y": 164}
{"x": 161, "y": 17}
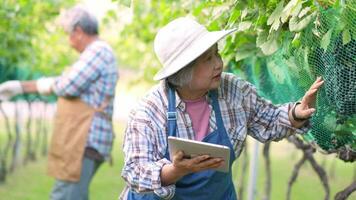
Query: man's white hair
{"x": 79, "y": 16}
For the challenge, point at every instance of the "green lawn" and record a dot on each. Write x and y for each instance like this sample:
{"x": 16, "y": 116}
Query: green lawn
{"x": 308, "y": 186}
{"x": 31, "y": 183}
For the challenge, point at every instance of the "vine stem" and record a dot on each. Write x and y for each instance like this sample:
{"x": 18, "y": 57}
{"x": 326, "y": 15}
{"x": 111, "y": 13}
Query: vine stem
{"x": 346, "y": 192}
{"x": 268, "y": 182}
{"x": 308, "y": 152}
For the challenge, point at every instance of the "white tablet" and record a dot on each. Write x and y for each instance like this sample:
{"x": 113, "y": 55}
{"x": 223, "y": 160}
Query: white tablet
{"x": 192, "y": 148}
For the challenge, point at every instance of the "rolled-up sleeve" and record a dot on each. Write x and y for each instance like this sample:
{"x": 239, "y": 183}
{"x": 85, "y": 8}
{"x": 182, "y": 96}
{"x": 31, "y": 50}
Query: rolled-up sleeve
{"x": 75, "y": 80}
{"x": 143, "y": 160}
{"x": 267, "y": 121}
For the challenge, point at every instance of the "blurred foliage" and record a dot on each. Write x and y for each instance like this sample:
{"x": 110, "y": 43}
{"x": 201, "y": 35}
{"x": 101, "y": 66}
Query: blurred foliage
{"x": 31, "y": 45}
{"x": 262, "y": 26}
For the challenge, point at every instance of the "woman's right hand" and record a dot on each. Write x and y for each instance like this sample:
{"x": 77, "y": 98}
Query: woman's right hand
{"x": 185, "y": 165}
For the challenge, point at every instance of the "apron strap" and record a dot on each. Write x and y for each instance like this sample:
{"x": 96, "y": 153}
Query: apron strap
{"x": 101, "y": 109}
{"x": 220, "y": 124}
{"x": 172, "y": 113}
{"x": 171, "y": 116}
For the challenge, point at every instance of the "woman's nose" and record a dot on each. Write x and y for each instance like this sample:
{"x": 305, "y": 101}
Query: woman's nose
{"x": 218, "y": 63}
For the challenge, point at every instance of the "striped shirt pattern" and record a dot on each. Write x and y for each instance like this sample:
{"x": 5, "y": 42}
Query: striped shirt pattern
{"x": 243, "y": 113}
{"x": 93, "y": 78}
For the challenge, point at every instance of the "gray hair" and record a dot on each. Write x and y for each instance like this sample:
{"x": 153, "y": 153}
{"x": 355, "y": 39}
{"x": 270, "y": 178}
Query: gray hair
{"x": 183, "y": 76}
{"x": 78, "y": 16}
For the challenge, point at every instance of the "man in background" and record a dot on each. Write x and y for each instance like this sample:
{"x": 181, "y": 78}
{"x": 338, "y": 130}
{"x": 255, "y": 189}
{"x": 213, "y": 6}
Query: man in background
{"x": 83, "y": 132}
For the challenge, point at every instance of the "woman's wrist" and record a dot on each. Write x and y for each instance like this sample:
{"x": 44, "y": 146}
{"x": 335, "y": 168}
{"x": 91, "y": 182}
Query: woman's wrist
{"x": 179, "y": 172}
{"x": 294, "y": 116}
{"x": 295, "y": 123}
{"x": 171, "y": 174}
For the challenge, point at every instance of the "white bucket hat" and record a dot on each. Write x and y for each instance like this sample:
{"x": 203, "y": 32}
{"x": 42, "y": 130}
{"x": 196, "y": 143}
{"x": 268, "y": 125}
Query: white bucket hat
{"x": 180, "y": 42}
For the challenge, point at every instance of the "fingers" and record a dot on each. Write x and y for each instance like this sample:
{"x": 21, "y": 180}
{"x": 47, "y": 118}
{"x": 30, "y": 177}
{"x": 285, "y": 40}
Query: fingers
{"x": 200, "y": 159}
{"x": 196, "y": 164}
{"x": 306, "y": 113}
{"x": 178, "y": 156}
{"x": 310, "y": 95}
{"x": 213, "y": 163}
{"x": 209, "y": 163}
{"x": 318, "y": 82}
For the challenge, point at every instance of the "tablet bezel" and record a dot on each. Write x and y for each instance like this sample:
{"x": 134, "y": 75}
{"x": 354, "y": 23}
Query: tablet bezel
{"x": 193, "y": 148}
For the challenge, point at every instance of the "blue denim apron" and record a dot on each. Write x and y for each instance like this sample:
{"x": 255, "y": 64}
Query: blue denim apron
{"x": 204, "y": 185}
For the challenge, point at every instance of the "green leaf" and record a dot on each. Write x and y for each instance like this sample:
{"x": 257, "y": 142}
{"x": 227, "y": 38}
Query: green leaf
{"x": 244, "y": 25}
{"x": 279, "y": 74}
{"x": 244, "y": 13}
{"x": 297, "y": 26}
{"x": 344, "y": 130}
{"x": 275, "y": 25}
{"x": 287, "y": 10}
{"x": 346, "y": 36}
{"x": 325, "y": 41}
{"x": 233, "y": 17}
{"x": 330, "y": 122}
{"x": 240, "y": 55}
{"x": 267, "y": 43}
{"x": 303, "y": 12}
{"x": 292, "y": 66}
{"x": 297, "y": 9}
{"x": 261, "y": 38}
{"x": 269, "y": 47}
{"x": 296, "y": 40}
{"x": 245, "y": 51}
{"x": 276, "y": 14}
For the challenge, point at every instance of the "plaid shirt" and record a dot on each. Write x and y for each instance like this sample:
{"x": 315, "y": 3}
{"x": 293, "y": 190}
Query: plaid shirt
{"x": 93, "y": 78}
{"x": 243, "y": 113}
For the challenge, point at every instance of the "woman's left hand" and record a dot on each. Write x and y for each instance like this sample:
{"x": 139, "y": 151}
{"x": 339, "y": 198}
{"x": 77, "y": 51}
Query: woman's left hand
{"x": 306, "y": 108}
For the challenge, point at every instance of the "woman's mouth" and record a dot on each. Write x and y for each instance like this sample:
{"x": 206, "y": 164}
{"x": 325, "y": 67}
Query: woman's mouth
{"x": 217, "y": 77}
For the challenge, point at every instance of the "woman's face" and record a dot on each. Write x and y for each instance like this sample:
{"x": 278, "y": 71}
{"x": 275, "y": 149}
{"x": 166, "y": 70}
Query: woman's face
{"x": 207, "y": 70}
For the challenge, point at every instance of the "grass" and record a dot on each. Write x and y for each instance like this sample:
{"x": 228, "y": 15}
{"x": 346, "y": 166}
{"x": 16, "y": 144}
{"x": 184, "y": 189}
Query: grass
{"x": 307, "y": 186}
{"x": 32, "y": 183}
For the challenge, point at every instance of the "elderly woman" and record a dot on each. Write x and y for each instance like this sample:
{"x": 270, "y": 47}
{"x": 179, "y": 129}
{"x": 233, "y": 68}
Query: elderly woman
{"x": 208, "y": 105}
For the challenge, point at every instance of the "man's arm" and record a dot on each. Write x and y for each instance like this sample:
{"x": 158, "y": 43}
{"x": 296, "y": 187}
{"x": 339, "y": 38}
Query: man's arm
{"x": 42, "y": 86}
{"x": 29, "y": 86}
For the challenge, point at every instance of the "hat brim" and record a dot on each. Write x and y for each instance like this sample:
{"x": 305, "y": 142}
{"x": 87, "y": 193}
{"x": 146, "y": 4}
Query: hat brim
{"x": 197, "y": 48}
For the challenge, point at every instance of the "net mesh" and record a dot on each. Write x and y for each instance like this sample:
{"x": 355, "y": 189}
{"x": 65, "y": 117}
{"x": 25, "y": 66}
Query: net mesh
{"x": 324, "y": 51}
